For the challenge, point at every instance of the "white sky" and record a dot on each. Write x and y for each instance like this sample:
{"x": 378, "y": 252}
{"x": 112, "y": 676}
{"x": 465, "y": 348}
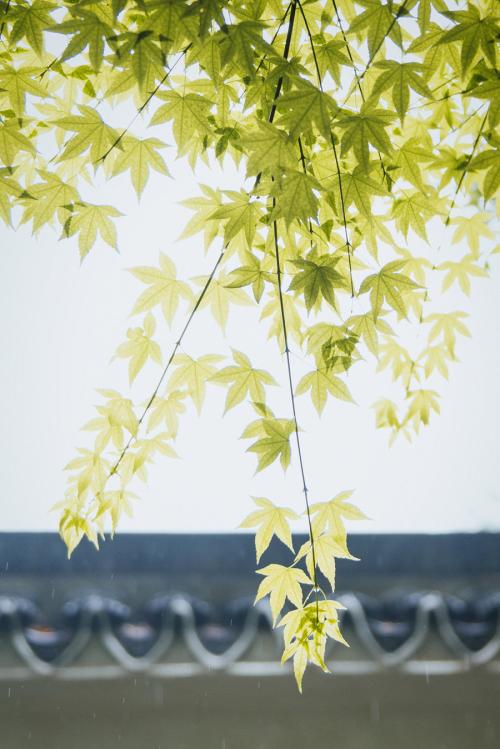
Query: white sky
{"x": 62, "y": 322}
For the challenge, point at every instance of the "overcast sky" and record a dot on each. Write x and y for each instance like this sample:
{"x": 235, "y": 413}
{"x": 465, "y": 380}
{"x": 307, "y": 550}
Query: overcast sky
{"x": 62, "y": 322}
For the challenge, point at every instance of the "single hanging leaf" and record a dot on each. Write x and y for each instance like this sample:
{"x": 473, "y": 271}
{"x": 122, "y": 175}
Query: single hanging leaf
{"x": 280, "y": 583}
{"x": 321, "y": 383}
{"x": 274, "y": 444}
{"x": 244, "y": 381}
{"x": 139, "y": 156}
{"x": 193, "y": 374}
{"x": 140, "y": 347}
{"x": 164, "y": 288}
{"x": 270, "y": 521}
{"x": 328, "y": 517}
{"x": 388, "y": 285}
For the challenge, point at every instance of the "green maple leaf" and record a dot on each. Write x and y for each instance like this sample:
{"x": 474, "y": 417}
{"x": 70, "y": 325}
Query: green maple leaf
{"x": 268, "y": 149}
{"x": 388, "y": 285}
{"x": 240, "y": 214}
{"x": 275, "y": 444}
{"x": 142, "y": 53}
{"x": 472, "y": 228}
{"x": 140, "y": 347}
{"x": 240, "y": 44}
{"x": 489, "y": 160}
{"x": 376, "y": 23}
{"x": 244, "y": 380}
{"x": 326, "y": 548}
{"x": 88, "y": 220}
{"x": 193, "y": 374}
{"x": 164, "y": 288}
{"x": 47, "y": 199}
{"x": 296, "y": 197}
{"x": 447, "y": 325}
{"x": 166, "y": 411}
{"x": 328, "y": 517}
{"x": 91, "y": 132}
{"x": 280, "y": 583}
{"x": 20, "y": 82}
{"x": 172, "y": 22}
{"x": 87, "y": 29}
{"x": 408, "y": 157}
{"x": 270, "y": 521}
{"x": 220, "y": 296}
{"x": 475, "y": 33}
{"x": 250, "y": 274}
{"x": 400, "y": 77}
{"x": 359, "y": 188}
{"x": 422, "y": 402}
{"x": 413, "y": 208}
{"x": 140, "y": 155}
{"x": 30, "y": 20}
{"x": 364, "y": 128}
{"x": 189, "y": 113}
{"x": 331, "y": 58}
{"x": 317, "y": 278}
{"x": 12, "y": 141}
{"x": 368, "y": 329}
{"x": 321, "y": 383}
{"x": 460, "y": 272}
{"x": 306, "y": 107}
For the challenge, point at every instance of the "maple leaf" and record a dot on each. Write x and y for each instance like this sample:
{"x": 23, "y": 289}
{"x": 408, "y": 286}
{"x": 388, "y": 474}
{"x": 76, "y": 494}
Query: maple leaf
{"x": 447, "y": 325}
{"x": 140, "y": 347}
{"x": 18, "y": 83}
{"x": 400, "y": 77}
{"x": 91, "y": 132}
{"x": 321, "y": 383}
{"x": 328, "y": 517}
{"x": 489, "y": 160}
{"x": 435, "y": 358}
{"x": 245, "y": 381}
{"x": 46, "y": 199}
{"x": 472, "y": 228}
{"x": 270, "y": 521}
{"x": 140, "y": 156}
{"x": 87, "y": 29}
{"x": 460, "y": 272}
{"x": 280, "y": 583}
{"x": 475, "y": 33}
{"x": 317, "y": 278}
{"x": 193, "y": 375}
{"x": 304, "y": 107}
{"x": 239, "y": 214}
{"x": 367, "y": 328}
{"x": 87, "y": 220}
{"x": 408, "y": 157}
{"x": 422, "y": 402}
{"x": 164, "y": 288}
{"x": 359, "y": 188}
{"x": 413, "y": 209}
{"x": 377, "y": 21}
{"x": 275, "y": 444}
{"x": 331, "y": 57}
{"x": 239, "y": 44}
{"x": 364, "y": 128}
{"x": 189, "y": 113}
{"x": 389, "y": 285}
{"x": 220, "y": 295}
{"x": 326, "y": 548}
{"x": 269, "y": 149}
{"x": 30, "y": 21}
{"x": 12, "y": 142}
{"x": 295, "y": 197}
{"x": 250, "y": 274}
{"x": 166, "y": 410}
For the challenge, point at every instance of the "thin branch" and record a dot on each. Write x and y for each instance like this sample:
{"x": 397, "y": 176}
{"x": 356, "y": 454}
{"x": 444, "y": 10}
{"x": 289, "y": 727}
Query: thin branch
{"x": 143, "y": 106}
{"x": 177, "y": 344}
{"x": 467, "y": 164}
{"x": 334, "y": 148}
